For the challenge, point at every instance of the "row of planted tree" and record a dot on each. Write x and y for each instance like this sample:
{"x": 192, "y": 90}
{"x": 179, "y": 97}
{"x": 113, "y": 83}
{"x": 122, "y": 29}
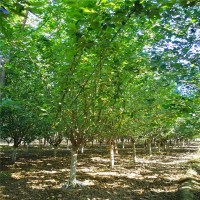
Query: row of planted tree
{"x": 86, "y": 70}
{"x": 111, "y": 145}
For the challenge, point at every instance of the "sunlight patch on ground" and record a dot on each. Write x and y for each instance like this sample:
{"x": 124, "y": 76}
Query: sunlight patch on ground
{"x": 106, "y": 173}
{"x": 88, "y": 183}
{"x": 87, "y": 170}
{"x": 48, "y": 172}
{"x": 139, "y": 191}
{"x": 151, "y": 177}
{"x": 170, "y": 178}
{"x": 165, "y": 190}
{"x": 64, "y": 170}
{"x": 116, "y": 185}
{"x": 168, "y": 160}
{"x": 37, "y": 161}
{"x": 17, "y": 175}
{"x": 133, "y": 175}
{"x": 99, "y": 159}
{"x": 45, "y": 172}
{"x": 112, "y": 174}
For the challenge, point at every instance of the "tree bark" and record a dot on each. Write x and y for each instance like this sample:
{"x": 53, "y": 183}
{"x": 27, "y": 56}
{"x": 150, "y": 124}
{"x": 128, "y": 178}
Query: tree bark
{"x": 165, "y": 145}
{"x": 134, "y": 151}
{"x": 82, "y": 149}
{"x": 122, "y": 144}
{"x": 14, "y": 155}
{"x": 149, "y": 147}
{"x": 27, "y": 145}
{"x": 2, "y": 77}
{"x": 112, "y": 155}
{"x": 67, "y": 141}
{"x": 116, "y": 148}
{"x": 183, "y": 143}
{"x": 72, "y": 178}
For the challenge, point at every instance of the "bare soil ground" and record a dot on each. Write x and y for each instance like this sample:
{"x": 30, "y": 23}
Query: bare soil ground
{"x": 38, "y": 176}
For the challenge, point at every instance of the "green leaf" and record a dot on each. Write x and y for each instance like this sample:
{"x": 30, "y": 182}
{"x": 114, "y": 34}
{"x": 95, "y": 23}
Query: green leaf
{"x": 87, "y": 10}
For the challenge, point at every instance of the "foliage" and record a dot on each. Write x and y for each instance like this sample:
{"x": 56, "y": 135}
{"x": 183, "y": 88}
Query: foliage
{"x": 93, "y": 69}
{"x": 17, "y": 122}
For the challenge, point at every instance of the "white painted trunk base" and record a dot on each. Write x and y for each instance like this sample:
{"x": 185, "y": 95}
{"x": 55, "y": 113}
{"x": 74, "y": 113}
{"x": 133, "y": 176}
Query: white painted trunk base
{"x": 72, "y": 178}
{"x": 112, "y": 156}
{"x": 134, "y": 153}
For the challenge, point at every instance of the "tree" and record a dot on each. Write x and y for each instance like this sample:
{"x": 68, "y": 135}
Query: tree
{"x": 17, "y": 123}
{"x": 87, "y": 54}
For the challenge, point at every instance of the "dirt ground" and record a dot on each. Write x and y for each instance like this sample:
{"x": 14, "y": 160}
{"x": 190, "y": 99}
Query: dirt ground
{"x": 37, "y": 175}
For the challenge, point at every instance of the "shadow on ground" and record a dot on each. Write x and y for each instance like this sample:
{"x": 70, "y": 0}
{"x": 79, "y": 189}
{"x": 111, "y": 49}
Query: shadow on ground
{"x": 38, "y": 176}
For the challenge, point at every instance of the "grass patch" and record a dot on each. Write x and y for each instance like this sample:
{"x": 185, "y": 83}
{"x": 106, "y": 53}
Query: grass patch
{"x": 191, "y": 185}
{"x": 4, "y": 176}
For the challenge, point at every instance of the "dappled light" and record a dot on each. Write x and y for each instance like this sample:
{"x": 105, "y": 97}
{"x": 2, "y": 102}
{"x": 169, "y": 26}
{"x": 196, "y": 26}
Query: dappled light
{"x": 99, "y": 100}
{"x": 155, "y": 177}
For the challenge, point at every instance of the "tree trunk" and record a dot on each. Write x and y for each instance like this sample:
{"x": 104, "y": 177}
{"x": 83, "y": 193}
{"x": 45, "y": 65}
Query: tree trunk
{"x": 154, "y": 142}
{"x": 45, "y": 142}
{"x": 123, "y": 144}
{"x": 2, "y": 77}
{"x": 178, "y": 143}
{"x": 149, "y": 147}
{"x": 72, "y": 178}
{"x": 165, "y": 145}
{"x": 159, "y": 146}
{"x": 82, "y": 149}
{"x": 55, "y": 151}
{"x": 116, "y": 148}
{"x": 14, "y": 154}
{"x": 183, "y": 143}
{"x": 40, "y": 142}
{"x": 100, "y": 143}
{"x": 134, "y": 151}
{"x": 170, "y": 142}
{"x": 112, "y": 155}
{"x": 67, "y": 143}
{"x": 27, "y": 148}
{"x": 175, "y": 143}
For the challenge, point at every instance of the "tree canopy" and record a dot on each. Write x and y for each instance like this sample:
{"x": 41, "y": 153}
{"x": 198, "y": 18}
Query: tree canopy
{"x": 100, "y": 68}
